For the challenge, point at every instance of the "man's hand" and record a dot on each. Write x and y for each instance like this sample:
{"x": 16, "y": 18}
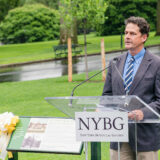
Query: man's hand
{"x": 136, "y": 114}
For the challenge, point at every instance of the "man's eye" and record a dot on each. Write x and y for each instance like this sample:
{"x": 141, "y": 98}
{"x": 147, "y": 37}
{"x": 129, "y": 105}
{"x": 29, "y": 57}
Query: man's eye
{"x": 133, "y": 34}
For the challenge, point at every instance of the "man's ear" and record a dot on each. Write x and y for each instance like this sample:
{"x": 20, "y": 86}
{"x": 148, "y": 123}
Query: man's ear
{"x": 144, "y": 37}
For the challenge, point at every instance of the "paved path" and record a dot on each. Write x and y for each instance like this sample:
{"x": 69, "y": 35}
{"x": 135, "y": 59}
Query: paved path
{"x": 56, "y": 68}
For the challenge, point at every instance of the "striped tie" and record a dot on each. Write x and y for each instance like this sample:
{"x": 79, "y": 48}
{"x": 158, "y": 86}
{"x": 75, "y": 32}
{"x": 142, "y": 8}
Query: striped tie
{"x": 128, "y": 78}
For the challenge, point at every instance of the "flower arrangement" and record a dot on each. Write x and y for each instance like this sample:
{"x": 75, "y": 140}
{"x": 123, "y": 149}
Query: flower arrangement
{"x": 8, "y": 123}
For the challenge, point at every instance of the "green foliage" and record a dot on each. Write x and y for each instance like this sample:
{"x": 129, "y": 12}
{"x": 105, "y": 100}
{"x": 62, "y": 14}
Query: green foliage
{"x": 6, "y": 5}
{"x": 92, "y": 10}
{"x": 49, "y": 3}
{"x": 158, "y": 18}
{"x": 30, "y": 23}
{"x": 120, "y": 10}
{"x": 89, "y": 11}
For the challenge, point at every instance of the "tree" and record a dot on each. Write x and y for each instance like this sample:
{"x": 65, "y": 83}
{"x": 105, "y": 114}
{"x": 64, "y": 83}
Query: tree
{"x": 6, "y": 5}
{"x": 89, "y": 13}
{"x": 68, "y": 22}
{"x": 119, "y": 10}
{"x": 63, "y": 30}
{"x": 158, "y": 18}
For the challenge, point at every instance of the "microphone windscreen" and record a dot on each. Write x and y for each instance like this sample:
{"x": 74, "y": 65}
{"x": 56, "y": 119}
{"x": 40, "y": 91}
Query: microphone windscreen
{"x": 115, "y": 59}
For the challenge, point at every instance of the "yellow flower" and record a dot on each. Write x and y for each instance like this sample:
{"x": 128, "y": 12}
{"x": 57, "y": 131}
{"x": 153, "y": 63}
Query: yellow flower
{"x": 11, "y": 127}
{"x": 15, "y": 120}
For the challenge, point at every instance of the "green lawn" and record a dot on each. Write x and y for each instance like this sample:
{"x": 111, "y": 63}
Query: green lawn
{"x": 27, "y": 98}
{"x": 18, "y": 53}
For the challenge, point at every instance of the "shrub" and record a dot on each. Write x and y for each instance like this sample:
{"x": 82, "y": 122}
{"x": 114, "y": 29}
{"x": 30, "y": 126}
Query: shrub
{"x": 30, "y": 23}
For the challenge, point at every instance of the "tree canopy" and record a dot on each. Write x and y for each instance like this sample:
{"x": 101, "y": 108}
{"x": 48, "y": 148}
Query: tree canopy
{"x": 6, "y": 5}
{"x": 120, "y": 10}
{"x": 91, "y": 11}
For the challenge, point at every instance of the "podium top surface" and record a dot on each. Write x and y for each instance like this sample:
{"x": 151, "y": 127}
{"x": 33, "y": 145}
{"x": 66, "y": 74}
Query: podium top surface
{"x": 70, "y": 105}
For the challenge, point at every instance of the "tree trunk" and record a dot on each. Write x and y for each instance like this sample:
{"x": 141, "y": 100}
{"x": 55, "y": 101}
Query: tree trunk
{"x": 158, "y": 18}
{"x": 85, "y": 49}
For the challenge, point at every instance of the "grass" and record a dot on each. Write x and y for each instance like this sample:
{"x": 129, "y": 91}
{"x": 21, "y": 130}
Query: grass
{"x": 43, "y": 156}
{"x": 18, "y": 53}
{"x": 27, "y": 98}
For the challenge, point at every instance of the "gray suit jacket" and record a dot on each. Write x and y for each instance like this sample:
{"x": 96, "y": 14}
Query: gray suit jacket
{"x": 146, "y": 85}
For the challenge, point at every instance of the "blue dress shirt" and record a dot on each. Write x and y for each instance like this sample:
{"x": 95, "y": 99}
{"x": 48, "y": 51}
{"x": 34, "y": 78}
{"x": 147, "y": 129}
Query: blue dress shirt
{"x": 138, "y": 58}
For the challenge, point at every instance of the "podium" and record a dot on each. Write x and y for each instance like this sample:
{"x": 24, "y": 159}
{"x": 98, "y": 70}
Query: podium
{"x": 107, "y": 104}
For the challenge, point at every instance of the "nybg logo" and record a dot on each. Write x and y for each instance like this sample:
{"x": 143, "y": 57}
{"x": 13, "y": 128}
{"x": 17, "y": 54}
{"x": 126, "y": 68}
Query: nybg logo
{"x": 104, "y": 123}
{"x": 102, "y": 126}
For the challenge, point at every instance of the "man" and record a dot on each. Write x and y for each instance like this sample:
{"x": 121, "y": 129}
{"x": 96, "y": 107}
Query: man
{"x": 141, "y": 76}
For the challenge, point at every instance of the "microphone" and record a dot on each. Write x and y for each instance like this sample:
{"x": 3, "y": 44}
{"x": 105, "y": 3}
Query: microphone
{"x": 72, "y": 93}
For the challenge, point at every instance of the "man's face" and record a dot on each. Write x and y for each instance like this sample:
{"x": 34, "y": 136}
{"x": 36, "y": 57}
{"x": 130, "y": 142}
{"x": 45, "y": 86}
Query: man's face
{"x": 134, "y": 40}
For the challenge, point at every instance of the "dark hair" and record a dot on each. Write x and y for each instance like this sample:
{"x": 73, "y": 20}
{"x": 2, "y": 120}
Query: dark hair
{"x": 143, "y": 25}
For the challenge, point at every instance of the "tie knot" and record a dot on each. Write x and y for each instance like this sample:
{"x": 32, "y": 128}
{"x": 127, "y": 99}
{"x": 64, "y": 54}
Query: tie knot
{"x": 132, "y": 59}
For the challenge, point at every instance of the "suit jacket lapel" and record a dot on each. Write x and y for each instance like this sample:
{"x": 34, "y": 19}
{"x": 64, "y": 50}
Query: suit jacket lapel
{"x": 146, "y": 61}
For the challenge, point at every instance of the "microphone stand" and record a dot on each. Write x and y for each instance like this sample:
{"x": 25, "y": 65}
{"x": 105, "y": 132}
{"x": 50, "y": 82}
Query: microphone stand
{"x": 72, "y": 93}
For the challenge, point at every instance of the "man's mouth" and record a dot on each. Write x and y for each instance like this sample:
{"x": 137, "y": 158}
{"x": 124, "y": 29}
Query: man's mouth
{"x": 127, "y": 42}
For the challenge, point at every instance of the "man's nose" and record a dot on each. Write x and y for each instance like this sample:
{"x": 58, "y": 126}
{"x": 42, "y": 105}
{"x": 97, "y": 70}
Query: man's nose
{"x": 127, "y": 36}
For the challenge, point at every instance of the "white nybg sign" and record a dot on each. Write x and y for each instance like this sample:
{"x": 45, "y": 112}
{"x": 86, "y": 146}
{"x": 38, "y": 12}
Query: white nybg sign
{"x": 102, "y": 126}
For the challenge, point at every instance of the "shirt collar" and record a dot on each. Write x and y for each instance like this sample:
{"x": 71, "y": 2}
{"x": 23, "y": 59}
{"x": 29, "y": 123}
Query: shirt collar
{"x": 137, "y": 56}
